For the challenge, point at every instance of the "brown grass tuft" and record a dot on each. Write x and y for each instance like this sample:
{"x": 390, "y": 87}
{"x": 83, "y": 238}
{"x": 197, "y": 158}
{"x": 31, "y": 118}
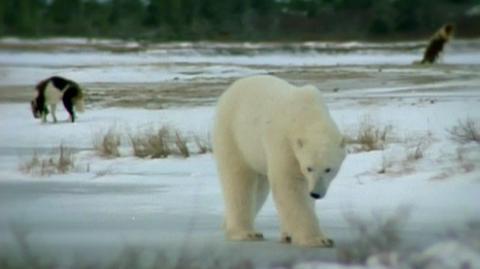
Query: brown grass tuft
{"x": 165, "y": 141}
{"x": 181, "y": 145}
{"x": 203, "y": 144}
{"x": 106, "y": 144}
{"x": 28, "y": 166}
{"x": 152, "y": 143}
{"x": 60, "y": 162}
{"x": 65, "y": 160}
{"x": 369, "y": 137}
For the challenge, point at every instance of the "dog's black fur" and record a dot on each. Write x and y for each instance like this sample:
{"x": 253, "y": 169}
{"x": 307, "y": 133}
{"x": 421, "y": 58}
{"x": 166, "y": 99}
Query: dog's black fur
{"x": 436, "y": 44}
{"x": 71, "y": 95}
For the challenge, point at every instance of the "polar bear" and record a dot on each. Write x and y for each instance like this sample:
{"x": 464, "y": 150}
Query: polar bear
{"x": 269, "y": 134}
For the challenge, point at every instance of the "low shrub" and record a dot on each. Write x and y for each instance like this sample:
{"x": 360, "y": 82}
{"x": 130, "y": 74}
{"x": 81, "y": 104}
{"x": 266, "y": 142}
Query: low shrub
{"x": 60, "y": 162}
{"x": 106, "y": 144}
{"x": 165, "y": 141}
{"x": 369, "y": 137}
{"x": 181, "y": 144}
{"x": 203, "y": 144}
{"x": 380, "y": 236}
{"x": 152, "y": 143}
{"x": 465, "y": 131}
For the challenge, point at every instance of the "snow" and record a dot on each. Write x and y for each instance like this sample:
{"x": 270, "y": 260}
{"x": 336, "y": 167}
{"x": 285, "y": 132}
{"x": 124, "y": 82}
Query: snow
{"x": 129, "y": 191}
{"x": 449, "y": 254}
{"x": 444, "y": 255}
{"x": 164, "y": 62}
{"x": 81, "y": 133}
{"x": 105, "y": 204}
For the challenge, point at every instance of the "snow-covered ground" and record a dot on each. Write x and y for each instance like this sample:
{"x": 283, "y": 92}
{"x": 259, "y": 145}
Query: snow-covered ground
{"x": 85, "y": 61}
{"x": 174, "y": 205}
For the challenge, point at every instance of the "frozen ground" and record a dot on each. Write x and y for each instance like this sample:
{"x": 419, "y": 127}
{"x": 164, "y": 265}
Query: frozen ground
{"x": 96, "y": 61}
{"x": 174, "y": 205}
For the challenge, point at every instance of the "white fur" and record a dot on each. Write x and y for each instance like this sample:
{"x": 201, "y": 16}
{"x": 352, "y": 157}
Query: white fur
{"x": 52, "y": 97}
{"x": 266, "y": 135}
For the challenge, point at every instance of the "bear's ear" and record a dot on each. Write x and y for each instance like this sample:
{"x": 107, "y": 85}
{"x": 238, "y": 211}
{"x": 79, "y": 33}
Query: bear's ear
{"x": 299, "y": 142}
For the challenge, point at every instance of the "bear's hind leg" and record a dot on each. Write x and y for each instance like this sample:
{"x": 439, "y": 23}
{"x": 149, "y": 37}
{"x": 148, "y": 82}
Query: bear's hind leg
{"x": 239, "y": 185}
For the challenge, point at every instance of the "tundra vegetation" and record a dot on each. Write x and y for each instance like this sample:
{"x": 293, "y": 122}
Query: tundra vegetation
{"x": 60, "y": 161}
{"x": 465, "y": 131}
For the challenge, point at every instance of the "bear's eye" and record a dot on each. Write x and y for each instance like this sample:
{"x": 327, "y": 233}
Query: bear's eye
{"x": 328, "y": 170}
{"x": 309, "y": 169}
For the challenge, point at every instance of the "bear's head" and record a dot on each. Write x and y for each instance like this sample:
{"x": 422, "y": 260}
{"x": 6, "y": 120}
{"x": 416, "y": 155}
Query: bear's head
{"x": 320, "y": 153}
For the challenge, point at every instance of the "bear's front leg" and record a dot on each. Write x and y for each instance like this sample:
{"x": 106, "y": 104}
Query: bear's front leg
{"x": 239, "y": 191}
{"x": 296, "y": 211}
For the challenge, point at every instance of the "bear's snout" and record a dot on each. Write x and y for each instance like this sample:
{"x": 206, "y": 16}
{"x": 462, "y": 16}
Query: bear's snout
{"x": 315, "y": 195}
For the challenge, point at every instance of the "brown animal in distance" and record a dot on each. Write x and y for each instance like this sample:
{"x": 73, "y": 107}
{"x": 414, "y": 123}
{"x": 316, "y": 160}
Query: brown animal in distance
{"x": 436, "y": 44}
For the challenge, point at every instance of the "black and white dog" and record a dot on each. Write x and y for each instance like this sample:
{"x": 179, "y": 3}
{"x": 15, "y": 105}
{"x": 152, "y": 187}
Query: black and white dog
{"x": 50, "y": 91}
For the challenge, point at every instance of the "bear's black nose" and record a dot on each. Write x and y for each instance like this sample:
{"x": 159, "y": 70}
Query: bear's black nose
{"x": 315, "y": 195}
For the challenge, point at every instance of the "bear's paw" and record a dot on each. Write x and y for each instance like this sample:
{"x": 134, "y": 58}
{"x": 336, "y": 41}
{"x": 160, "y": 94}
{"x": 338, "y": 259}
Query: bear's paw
{"x": 318, "y": 242}
{"x": 245, "y": 236}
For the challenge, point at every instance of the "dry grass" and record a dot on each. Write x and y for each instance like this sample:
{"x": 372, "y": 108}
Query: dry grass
{"x": 369, "y": 137}
{"x": 64, "y": 161}
{"x": 165, "y": 141}
{"x": 30, "y": 165}
{"x": 417, "y": 152}
{"x": 465, "y": 160}
{"x": 377, "y": 237}
{"x": 152, "y": 143}
{"x": 403, "y": 161}
{"x": 106, "y": 144}
{"x": 465, "y": 131}
{"x": 23, "y": 255}
{"x": 181, "y": 144}
{"x": 203, "y": 144}
{"x": 465, "y": 165}
{"x": 60, "y": 162}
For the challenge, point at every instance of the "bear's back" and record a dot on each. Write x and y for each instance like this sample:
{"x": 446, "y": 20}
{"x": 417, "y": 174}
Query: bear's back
{"x": 259, "y": 99}
{"x": 264, "y": 91}
{"x": 255, "y": 109}
{"x": 261, "y": 88}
